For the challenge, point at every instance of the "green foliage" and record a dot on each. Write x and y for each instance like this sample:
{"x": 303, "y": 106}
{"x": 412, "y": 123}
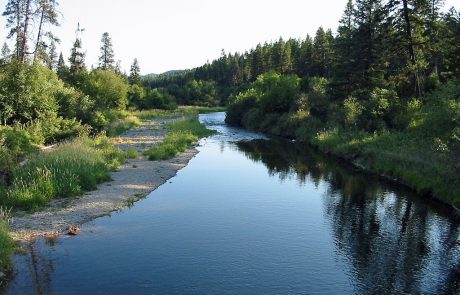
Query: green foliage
{"x": 352, "y": 111}
{"x": 181, "y": 134}
{"x": 27, "y": 93}
{"x": 158, "y": 99}
{"x": 132, "y": 154}
{"x": 108, "y": 90}
{"x": 121, "y": 125}
{"x": 202, "y": 93}
{"x": 65, "y": 171}
{"x": 7, "y": 245}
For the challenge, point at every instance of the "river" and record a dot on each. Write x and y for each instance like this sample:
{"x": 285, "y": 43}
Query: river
{"x": 253, "y": 215}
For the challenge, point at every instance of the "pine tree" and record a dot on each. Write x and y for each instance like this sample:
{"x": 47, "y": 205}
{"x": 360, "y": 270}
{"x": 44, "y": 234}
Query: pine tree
{"x": 77, "y": 64}
{"x": 304, "y": 67}
{"x": 344, "y": 73}
{"x": 6, "y": 54}
{"x": 52, "y": 56}
{"x": 106, "y": 59}
{"x": 18, "y": 18}
{"x": 47, "y": 15}
{"x": 368, "y": 45}
{"x": 322, "y": 53}
{"x": 61, "y": 68}
{"x": 135, "y": 73}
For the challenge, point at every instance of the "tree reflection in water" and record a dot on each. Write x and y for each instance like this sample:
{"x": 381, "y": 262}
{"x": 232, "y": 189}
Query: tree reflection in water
{"x": 394, "y": 240}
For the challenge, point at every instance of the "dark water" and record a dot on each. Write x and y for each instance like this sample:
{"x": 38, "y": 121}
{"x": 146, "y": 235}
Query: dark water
{"x": 255, "y": 216}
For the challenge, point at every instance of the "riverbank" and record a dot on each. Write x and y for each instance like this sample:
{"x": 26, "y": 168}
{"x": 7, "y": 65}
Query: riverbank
{"x": 132, "y": 181}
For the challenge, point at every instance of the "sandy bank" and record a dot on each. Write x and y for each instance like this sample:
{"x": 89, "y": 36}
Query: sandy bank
{"x": 133, "y": 180}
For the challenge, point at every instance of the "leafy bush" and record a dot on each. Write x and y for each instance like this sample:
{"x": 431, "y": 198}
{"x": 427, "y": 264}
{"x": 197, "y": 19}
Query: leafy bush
{"x": 108, "y": 90}
{"x": 352, "y": 111}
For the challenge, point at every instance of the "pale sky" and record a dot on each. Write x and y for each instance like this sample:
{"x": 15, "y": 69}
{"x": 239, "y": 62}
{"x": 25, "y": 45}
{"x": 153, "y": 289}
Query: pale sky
{"x": 180, "y": 34}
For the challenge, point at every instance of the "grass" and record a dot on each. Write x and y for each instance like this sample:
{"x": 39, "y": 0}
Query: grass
{"x": 180, "y": 112}
{"x": 132, "y": 154}
{"x": 121, "y": 125}
{"x": 7, "y": 245}
{"x": 180, "y": 136}
{"x": 67, "y": 171}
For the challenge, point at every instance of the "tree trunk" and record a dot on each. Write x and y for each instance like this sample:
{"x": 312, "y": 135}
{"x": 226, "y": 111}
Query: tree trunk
{"x": 39, "y": 35}
{"x": 413, "y": 59}
{"x": 22, "y": 56}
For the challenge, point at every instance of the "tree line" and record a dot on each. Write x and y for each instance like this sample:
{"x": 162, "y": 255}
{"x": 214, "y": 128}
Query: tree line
{"x": 408, "y": 46}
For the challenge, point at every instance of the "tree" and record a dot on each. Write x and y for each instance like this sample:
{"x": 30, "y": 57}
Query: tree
{"x": 51, "y": 61}
{"x": 47, "y": 14}
{"x": 18, "y": 15}
{"x": 6, "y": 54}
{"x": 22, "y": 15}
{"x": 135, "y": 73}
{"x": 77, "y": 64}
{"x": 108, "y": 89}
{"x": 344, "y": 62}
{"x": 106, "y": 59}
{"x": 322, "y": 53}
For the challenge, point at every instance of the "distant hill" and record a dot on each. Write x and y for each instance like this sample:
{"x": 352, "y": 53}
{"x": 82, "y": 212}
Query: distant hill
{"x": 153, "y": 75}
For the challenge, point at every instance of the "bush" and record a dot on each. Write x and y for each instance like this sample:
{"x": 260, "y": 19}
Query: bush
{"x": 108, "y": 90}
{"x": 352, "y": 111}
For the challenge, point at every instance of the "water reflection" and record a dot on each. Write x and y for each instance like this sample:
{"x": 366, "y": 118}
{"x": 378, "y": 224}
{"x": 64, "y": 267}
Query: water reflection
{"x": 394, "y": 241}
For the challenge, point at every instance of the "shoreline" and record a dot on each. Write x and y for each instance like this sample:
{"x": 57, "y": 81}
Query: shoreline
{"x": 131, "y": 182}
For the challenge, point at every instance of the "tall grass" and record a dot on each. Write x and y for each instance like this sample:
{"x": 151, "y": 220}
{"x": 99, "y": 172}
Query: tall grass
{"x": 180, "y": 135}
{"x": 121, "y": 125}
{"x": 6, "y": 242}
{"x": 66, "y": 171}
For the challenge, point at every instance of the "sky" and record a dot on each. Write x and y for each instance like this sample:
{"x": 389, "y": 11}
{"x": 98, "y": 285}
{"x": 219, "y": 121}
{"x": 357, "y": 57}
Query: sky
{"x": 181, "y": 34}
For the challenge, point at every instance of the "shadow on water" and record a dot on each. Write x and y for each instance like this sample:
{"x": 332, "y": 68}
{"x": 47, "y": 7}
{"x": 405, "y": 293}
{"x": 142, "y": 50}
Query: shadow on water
{"x": 396, "y": 242}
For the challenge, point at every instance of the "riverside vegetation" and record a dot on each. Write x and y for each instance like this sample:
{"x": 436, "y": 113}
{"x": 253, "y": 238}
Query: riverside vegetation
{"x": 382, "y": 92}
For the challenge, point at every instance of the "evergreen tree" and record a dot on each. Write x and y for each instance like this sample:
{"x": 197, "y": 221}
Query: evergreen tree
{"x": 106, "y": 59}
{"x": 344, "y": 73}
{"x": 322, "y": 53}
{"x": 369, "y": 45}
{"x": 6, "y": 54}
{"x": 52, "y": 56}
{"x": 47, "y": 15}
{"x": 77, "y": 68}
{"x": 135, "y": 73}
{"x": 304, "y": 66}
{"x": 61, "y": 68}
{"x": 18, "y": 18}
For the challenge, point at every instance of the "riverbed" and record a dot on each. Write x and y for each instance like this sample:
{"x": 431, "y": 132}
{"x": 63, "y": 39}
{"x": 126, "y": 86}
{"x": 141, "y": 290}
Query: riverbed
{"x": 255, "y": 215}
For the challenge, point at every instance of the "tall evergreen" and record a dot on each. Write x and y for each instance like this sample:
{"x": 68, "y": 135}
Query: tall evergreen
{"x": 107, "y": 57}
{"x": 77, "y": 67}
{"x": 135, "y": 73}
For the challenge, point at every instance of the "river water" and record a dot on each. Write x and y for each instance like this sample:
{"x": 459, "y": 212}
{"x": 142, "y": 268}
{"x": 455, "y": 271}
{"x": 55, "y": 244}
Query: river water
{"x": 252, "y": 215}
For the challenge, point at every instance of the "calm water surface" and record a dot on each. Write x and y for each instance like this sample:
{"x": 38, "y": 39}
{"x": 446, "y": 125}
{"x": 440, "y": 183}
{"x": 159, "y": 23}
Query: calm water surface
{"x": 250, "y": 215}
